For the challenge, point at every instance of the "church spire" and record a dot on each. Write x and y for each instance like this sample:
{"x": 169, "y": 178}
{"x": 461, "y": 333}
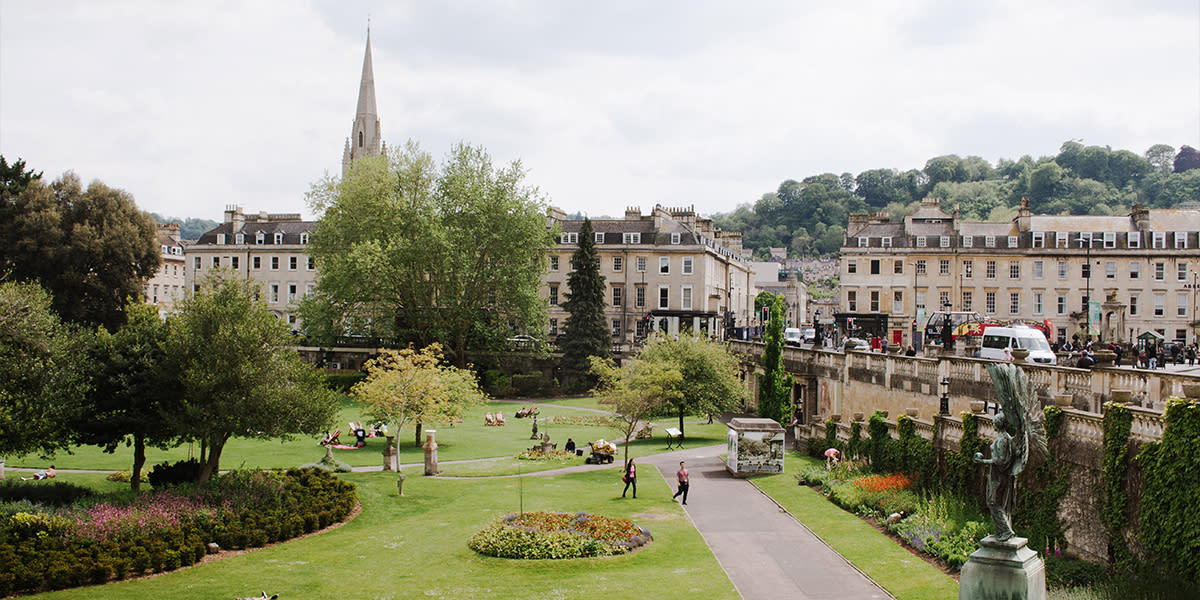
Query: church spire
{"x": 365, "y": 138}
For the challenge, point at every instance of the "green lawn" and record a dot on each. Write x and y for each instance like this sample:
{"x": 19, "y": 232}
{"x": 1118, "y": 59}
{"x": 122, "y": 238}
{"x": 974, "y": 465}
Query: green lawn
{"x": 416, "y": 547}
{"x": 906, "y": 576}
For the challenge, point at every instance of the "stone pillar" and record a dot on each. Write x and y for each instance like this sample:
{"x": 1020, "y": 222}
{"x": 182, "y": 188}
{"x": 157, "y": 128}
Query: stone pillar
{"x": 431, "y": 466}
{"x": 391, "y": 458}
{"x": 1, "y": 469}
{"x": 1006, "y": 570}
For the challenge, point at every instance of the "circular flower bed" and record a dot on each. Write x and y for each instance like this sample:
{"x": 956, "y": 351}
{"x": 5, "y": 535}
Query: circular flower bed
{"x": 541, "y": 535}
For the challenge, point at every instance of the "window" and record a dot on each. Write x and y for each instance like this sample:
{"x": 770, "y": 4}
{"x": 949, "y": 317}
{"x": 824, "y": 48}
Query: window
{"x": 553, "y": 263}
{"x": 1160, "y": 270}
{"x": 1037, "y": 303}
{"x": 312, "y": 263}
{"x": 1160, "y": 302}
{"x": 921, "y": 267}
{"x": 664, "y": 297}
{"x": 618, "y": 263}
{"x": 943, "y": 298}
{"x": 687, "y": 265}
{"x": 308, "y": 289}
{"x": 874, "y": 301}
{"x": 216, "y": 261}
{"x": 553, "y": 327}
{"x": 291, "y": 292}
{"x": 885, "y": 242}
{"x": 1133, "y": 305}
{"x": 1180, "y": 239}
{"x": 616, "y": 297}
{"x": 274, "y": 292}
{"x": 220, "y": 238}
{"x": 260, "y": 238}
{"x": 851, "y": 266}
{"x": 1180, "y": 334}
{"x": 640, "y": 297}
{"x": 278, "y": 238}
{"x": 1014, "y": 270}
{"x": 685, "y": 297}
{"x": 1014, "y": 303}
{"x": 1062, "y": 304}
{"x": 1181, "y": 305}
{"x": 293, "y": 262}
{"x": 967, "y": 241}
{"x": 898, "y": 267}
{"x": 852, "y": 301}
{"x": 875, "y": 266}
{"x": 1060, "y": 239}
{"x": 968, "y": 269}
{"x": 675, "y": 238}
{"x": 1181, "y": 268}
{"x": 554, "y": 295}
{"x": 944, "y": 266}
{"x": 631, "y": 238}
{"x": 616, "y": 328}
{"x": 1110, "y": 270}
{"x": 233, "y": 260}
{"x": 944, "y": 242}
{"x": 1085, "y": 270}
{"x": 274, "y": 263}
{"x": 570, "y": 238}
{"x": 863, "y": 242}
{"x": 304, "y": 238}
{"x": 989, "y": 241}
{"x": 1110, "y": 239}
{"x": 921, "y": 241}
{"x": 1133, "y": 239}
{"x": 1039, "y": 239}
{"x": 897, "y": 302}
{"x": 598, "y": 237}
{"x": 641, "y": 264}
{"x": 990, "y": 269}
{"x": 256, "y": 263}
{"x": 664, "y": 264}
{"x": 920, "y": 299}
{"x": 1012, "y": 241}
{"x": 967, "y": 300}
{"x": 239, "y": 239}
{"x": 1084, "y": 238}
{"x": 1160, "y": 239}
{"x": 1083, "y": 303}
{"x": 1135, "y": 270}
{"x": 1063, "y": 269}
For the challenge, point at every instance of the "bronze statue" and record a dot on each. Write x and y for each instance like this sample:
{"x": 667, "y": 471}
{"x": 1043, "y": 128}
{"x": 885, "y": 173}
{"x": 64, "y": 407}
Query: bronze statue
{"x": 1018, "y": 430}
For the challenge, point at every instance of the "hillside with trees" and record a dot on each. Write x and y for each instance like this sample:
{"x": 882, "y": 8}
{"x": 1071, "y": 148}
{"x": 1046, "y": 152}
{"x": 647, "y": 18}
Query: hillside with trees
{"x": 808, "y": 217}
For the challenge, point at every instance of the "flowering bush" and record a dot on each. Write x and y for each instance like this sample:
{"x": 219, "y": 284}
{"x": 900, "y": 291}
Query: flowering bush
{"x": 542, "y": 535}
{"x": 883, "y": 483}
{"x": 559, "y": 455}
{"x": 945, "y": 527}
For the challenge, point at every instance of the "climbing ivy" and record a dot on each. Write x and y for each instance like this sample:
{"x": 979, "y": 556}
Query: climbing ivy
{"x": 1114, "y": 501}
{"x": 830, "y": 434}
{"x": 1170, "y": 523}
{"x": 1041, "y": 492}
{"x": 854, "y": 447}
{"x": 916, "y": 452}
{"x": 883, "y": 449}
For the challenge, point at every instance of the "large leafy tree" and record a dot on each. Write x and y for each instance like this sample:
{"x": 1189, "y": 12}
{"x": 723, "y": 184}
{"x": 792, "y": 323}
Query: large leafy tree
{"x": 587, "y": 333}
{"x": 15, "y": 178}
{"x": 133, "y": 388}
{"x": 635, "y": 391}
{"x": 239, "y": 376}
{"x": 422, "y": 253}
{"x": 774, "y": 391}
{"x": 416, "y": 386}
{"x": 43, "y": 372}
{"x": 707, "y": 379}
{"x": 92, "y": 249}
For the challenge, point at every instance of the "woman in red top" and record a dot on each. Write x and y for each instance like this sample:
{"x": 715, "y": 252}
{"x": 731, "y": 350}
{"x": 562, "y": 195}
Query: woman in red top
{"x": 630, "y": 478}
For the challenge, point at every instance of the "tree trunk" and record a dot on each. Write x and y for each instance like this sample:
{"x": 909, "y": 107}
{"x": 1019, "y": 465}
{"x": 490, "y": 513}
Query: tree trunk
{"x": 203, "y": 449}
{"x": 417, "y": 437}
{"x": 681, "y": 422}
{"x": 139, "y": 460}
{"x": 211, "y": 465}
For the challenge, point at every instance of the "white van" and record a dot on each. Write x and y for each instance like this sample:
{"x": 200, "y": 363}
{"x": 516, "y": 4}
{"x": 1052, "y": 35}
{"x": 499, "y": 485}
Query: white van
{"x": 791, "y": 336}
{"x": 998, "y": 339}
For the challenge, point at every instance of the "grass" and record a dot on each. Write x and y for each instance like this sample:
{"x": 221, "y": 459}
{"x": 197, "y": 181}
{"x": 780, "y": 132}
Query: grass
{"x": 416, "y": 547}
{"x": 900, "y": 572}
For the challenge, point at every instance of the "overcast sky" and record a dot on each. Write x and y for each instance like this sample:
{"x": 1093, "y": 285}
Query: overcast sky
{"x": 193, "y": 106}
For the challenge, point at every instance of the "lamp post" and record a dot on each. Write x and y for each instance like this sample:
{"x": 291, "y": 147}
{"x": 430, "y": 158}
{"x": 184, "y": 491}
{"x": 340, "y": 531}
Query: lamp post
{"x": 1087, "y": 306}
{"x": 947, "y": 327}
{"x": 1193, "y": 286}
{"x": 944, "y": 404}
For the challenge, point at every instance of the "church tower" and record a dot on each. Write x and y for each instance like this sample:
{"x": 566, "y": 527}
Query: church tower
{"x": 365, "y": 138}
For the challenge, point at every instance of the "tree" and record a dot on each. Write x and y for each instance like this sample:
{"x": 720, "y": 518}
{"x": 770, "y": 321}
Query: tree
{"x": 43, "y": 373}
{"x": 587, "y": 334}
{"x": 416, "y": 252}
{"x": 1187, "y": 159}
{"x": 708, "y": 376}
{"x": 411, "y": 385}
{"x": 239, "y": 376}
{"x": 1161, "y": 157}
{"x": 91, "y": 249}
{"x": 774, "y": 394}
{"x": 133, "y": 388}
{"x": 14, "y": 178}
{"x": 634, "y": 391}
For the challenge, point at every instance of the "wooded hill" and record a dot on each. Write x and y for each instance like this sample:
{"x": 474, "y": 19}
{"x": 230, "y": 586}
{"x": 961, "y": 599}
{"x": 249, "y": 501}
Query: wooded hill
{"x": 808, "y": 217}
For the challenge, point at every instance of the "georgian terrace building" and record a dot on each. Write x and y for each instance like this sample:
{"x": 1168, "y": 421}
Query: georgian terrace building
{"x": 1135, "y": 273}
{"x": 169, "y": 284}
{"x": 670, "y": 269}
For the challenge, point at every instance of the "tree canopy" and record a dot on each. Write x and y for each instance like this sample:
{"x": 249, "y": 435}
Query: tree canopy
{"x": 417, "y": 252}
{"x": 239, "y": 376}
{"x": 774, "y": 393}
{"x": 587, "y": 333}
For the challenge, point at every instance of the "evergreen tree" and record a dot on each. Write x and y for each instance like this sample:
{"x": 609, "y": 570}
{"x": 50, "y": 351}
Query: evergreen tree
{"x": 775, "y": 385}
{"x": 587, "y": 334}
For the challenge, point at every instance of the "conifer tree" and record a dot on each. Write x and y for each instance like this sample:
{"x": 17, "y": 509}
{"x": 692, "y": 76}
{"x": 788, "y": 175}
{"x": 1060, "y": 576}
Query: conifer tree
{"x": 775, "y": 385}
{"x": 587, "y": 334}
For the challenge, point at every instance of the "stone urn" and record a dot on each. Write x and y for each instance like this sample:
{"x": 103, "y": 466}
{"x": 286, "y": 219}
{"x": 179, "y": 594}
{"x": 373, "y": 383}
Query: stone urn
{"x": 1122, "y": 396}
{"x": 836, "y": 417}
{"x": 1063, "y": 400}
{"x": 1104, "y": 357}
{"x": 978, "y": 406}
{"x": 858, "y": 416}
{"x": 1191, "y": 390}
{"x": 912, "y": 412}
{"x": 883, "y": 412}
{"x": 1020, "y": 354}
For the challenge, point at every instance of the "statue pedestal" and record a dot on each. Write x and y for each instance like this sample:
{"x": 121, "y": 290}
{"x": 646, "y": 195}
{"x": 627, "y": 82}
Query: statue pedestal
{"x": 1006, "y": 570}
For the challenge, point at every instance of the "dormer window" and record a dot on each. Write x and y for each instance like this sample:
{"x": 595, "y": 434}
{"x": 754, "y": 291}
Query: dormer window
{"x": 220, "y": 238}
{"x": 863, "y": 242}
{"x": 1039, "y": 239}
{"x": 967, "y": 241}
{"x": 675, "y": 238}
{"x": 1012, "y": 241}
{"x": 1110, "y": 239}
{"x": 165, "y": 249}
{"x": 598, "y": 237}
{"x": 1060, "y": 239}
{"x": 944, "y": 242}
{"x": 240, "y": 238}
{"x": 260, "y": 238}
{"x": 1180, "y": 239}
{"x": 1133, "y": 239}
{"x": 921, "y": 241}
{"x": 631, "y": 238}
{"x": 278, "y": 238}
{"x": 989, "y": 241}
{"x": 304, "y": 238}
{"x": 886, "y": 242}
{"x": 570, "y": 238}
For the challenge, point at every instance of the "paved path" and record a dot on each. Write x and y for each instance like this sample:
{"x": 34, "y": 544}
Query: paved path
{"x": 766, "y": 552}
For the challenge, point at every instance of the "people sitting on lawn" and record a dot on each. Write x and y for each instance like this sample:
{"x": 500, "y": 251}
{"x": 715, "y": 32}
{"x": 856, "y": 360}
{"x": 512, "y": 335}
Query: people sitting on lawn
{"x": 499, "y": 418}
{"x": 40, "y": 475}
{"x": 488, "y": 419}
{"x": 570, "y": 445}
{"x": 331, "y": 438}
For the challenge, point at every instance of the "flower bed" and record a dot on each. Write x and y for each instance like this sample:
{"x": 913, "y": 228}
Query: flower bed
{"x": 559, "y": 455}
{"x": 543, "y": 535}
{"x": 104, "y": 537}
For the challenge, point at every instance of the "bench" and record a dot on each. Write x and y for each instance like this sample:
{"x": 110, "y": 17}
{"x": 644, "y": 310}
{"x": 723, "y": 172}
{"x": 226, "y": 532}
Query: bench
{"x": 674, "y": 438}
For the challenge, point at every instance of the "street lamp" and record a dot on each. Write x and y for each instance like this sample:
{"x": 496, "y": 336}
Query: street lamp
{"x": 944, "y": 407}
{"x": 947, "y": 327}
{"x": 1087, "y": 305}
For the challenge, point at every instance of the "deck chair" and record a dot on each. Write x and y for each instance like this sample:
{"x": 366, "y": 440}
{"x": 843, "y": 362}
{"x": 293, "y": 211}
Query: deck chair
{"x": 331, "y": 438}
{"x": 489, "y": 419}
{"x": 499, "y": 418}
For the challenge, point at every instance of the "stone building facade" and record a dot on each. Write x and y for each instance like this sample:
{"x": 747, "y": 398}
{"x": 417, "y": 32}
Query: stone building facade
{"x": 1119, "y": 275}
{"x": 169, "y": 284}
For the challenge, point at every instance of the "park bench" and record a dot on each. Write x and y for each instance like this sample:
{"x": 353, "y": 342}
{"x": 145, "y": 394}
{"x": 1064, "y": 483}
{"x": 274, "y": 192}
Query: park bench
{"x": 674, "y": 438}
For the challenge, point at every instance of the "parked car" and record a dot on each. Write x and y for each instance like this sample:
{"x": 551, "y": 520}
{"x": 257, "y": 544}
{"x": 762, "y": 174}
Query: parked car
{"x": 860, "y": 345}
{"x": 792, "y": 336}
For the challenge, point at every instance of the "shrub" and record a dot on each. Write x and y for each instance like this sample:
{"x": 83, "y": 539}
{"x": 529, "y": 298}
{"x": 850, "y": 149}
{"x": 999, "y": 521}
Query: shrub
{"x": 545, "y": 535}
{"x": 166, "y": 475}
{"x": 527, "y": 384}
{"x": 342, "y": 382}
{"x": 1072, "y": 572}
{"x": 57, "y": 493}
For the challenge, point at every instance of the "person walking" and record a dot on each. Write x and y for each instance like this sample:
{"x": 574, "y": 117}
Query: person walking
{"x": 682, "y": 477}
{"x": 630, "y": 478}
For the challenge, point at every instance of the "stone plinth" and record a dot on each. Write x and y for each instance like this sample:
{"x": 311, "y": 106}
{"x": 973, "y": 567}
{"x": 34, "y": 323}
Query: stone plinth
{"x": 391, "y": 457}
{"x": 1006, "y": 570}
{"x": 431, "y": 466}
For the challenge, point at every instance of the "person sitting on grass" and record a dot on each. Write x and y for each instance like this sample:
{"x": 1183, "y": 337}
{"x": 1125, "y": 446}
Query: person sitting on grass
{"x": 40, "y": 475}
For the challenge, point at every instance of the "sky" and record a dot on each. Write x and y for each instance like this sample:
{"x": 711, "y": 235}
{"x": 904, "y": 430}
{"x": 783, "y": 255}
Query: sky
{"x": 194, "y": 106}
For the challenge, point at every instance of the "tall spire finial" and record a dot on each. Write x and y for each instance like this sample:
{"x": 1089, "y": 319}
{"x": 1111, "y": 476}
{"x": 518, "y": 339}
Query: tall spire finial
{"x": 365, "y": 136}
